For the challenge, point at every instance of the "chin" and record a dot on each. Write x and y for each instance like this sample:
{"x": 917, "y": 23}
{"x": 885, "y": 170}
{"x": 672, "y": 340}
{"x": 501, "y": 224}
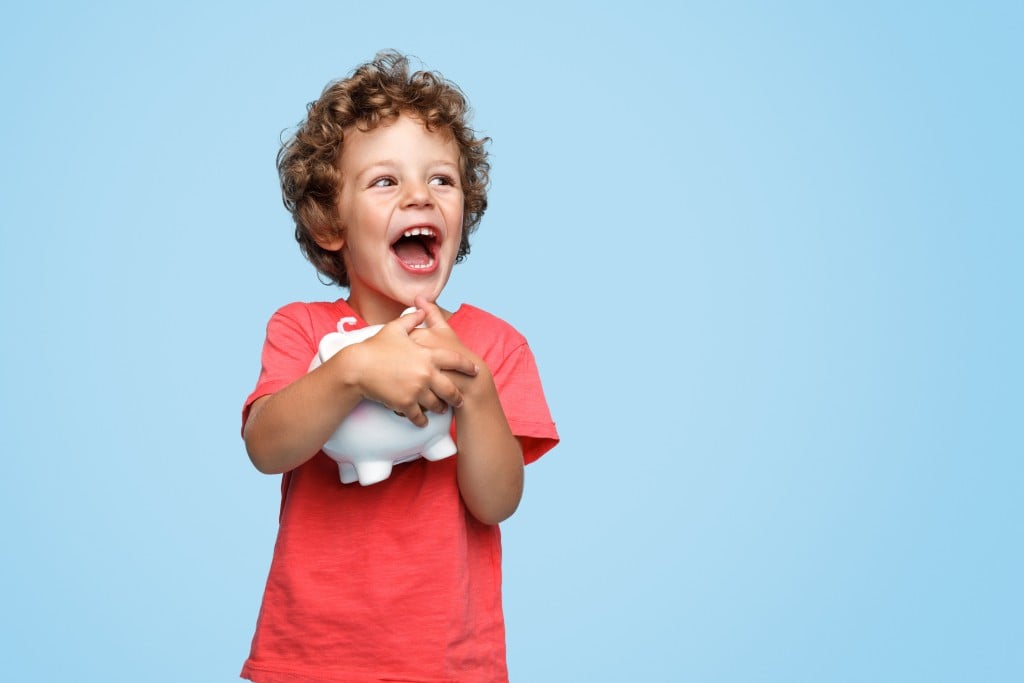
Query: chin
{"x": 429, "y": 292}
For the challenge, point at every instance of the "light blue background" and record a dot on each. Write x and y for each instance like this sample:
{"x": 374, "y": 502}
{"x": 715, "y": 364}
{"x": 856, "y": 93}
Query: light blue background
{"x": 768, "y": 257}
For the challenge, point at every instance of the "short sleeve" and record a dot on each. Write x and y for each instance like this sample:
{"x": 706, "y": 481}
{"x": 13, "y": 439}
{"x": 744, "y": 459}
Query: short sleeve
{"x": 287, "y": 351}
{"x": 522, "y": 398}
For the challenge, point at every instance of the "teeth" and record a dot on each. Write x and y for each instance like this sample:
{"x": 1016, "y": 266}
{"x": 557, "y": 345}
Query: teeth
{"x": 412, "y": 232}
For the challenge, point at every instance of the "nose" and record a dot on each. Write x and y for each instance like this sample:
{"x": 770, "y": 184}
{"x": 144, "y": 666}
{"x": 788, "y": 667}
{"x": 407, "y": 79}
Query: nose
{"x": 416, "y": 194}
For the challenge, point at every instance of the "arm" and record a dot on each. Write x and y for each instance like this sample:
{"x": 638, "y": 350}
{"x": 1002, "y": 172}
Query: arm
{"x": 287, "y": 428}
{"x": 490, "y": 459}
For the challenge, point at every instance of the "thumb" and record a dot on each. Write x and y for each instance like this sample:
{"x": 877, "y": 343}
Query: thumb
{"x": 410, "y": 321}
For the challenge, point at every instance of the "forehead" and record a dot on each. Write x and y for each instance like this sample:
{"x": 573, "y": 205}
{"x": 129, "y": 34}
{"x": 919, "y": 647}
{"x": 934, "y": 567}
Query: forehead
{"x": 405, "y": 138}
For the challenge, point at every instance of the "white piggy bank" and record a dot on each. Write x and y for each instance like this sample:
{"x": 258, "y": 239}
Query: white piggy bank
{"x": 372, "y": 439}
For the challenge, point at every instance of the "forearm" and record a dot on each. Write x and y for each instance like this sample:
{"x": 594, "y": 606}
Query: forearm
{"x": 287, "y": 428}
{"x": 490, "y": 459}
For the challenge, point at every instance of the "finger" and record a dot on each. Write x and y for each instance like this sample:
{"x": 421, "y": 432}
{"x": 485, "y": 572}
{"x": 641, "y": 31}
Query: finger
{"x": 447, "y": 392}
{"x": 409, "y": 321}
{"x": 440, "y": 407}
{"x": 434, "y": 403}
{"x": 414, "y": 413}
{"x": 435, "y": 316}
{"x": 446, "y": 359}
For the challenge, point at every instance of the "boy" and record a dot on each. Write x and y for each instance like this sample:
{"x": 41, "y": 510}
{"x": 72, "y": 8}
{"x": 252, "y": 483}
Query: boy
{"x": 400, "y": 580}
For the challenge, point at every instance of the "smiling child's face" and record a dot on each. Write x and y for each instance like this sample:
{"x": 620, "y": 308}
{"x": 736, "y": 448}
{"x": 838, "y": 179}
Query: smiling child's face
{"x": 401, "y": 205}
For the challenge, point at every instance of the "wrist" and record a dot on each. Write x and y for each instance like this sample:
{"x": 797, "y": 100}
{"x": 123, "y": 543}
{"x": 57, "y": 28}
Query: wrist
{"x": 347, "y": 370}
{"x": 479, "y": 388}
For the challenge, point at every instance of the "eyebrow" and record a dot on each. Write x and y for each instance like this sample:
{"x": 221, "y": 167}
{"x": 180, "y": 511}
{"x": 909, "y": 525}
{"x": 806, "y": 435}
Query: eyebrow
{"x": 394, "y": 162}
{"x": 391, "y": 162}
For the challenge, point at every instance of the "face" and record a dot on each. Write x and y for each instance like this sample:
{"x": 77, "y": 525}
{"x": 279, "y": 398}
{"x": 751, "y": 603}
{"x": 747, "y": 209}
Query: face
{"x": 401, "y": 207}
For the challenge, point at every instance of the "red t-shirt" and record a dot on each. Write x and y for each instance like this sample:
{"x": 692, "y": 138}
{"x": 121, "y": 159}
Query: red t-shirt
{"x": 396, "y": 581}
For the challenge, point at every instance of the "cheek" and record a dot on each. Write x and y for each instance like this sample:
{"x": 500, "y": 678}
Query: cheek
{"x": 456, "y": 239}
{"x": 456, "y": 218}
{"x": 453, "y": 218}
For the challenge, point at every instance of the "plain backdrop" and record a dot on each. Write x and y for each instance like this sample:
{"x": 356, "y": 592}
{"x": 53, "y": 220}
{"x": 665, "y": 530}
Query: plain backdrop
{"x": 768, "y": 256}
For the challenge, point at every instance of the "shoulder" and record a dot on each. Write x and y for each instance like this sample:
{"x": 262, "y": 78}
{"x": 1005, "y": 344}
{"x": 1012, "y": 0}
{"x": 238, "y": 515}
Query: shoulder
{"x": 303, "y": 324}
{"x": 314, "y": 309}
{"x": 313, "y": 314}
{"x": 494, "y": 339}
{"x": 471, "y": 321}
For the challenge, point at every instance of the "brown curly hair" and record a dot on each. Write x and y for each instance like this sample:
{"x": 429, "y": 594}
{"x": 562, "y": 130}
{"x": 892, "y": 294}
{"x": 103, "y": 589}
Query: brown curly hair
{"x": 377, "y": 92}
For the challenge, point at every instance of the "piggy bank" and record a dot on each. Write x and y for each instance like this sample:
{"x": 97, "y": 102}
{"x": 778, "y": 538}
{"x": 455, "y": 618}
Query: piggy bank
{"x": 372, "y": 438}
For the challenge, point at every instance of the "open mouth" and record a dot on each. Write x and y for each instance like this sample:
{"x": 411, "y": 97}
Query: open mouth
{"x": 416, "y": 249}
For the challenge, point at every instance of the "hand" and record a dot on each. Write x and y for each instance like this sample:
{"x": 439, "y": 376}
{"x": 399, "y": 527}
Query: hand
{"x": 437, "y": 334}
{"x": 490, "y": 463}
{"x": 407, "y": 377}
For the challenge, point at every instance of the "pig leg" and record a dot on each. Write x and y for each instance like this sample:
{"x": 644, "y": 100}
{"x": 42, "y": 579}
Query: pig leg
{"x": 374, "y": 471}
{"x": 348, "y": 472}
{"x": 440, "y": 448}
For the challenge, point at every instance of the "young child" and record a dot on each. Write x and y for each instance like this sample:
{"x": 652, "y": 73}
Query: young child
{"x": 399, "y": 580}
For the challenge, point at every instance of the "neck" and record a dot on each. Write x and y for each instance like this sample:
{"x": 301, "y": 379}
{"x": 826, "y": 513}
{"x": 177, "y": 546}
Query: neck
{"x": 376, "y": 312}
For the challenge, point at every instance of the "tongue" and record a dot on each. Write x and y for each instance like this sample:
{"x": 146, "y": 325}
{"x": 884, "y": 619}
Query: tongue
{"x": 412, "y": 253}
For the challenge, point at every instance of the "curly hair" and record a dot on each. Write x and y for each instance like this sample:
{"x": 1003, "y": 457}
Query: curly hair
{"x": 376, "y": 93}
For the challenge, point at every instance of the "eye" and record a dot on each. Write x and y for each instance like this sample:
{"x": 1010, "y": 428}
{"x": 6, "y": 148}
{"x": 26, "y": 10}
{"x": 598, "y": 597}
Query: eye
{"x": 386, "y": 181}
{"x": 442, "y": 180}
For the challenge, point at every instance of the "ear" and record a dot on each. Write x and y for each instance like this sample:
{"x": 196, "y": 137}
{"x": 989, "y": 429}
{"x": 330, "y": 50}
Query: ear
{"x": 331, "y": 242}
